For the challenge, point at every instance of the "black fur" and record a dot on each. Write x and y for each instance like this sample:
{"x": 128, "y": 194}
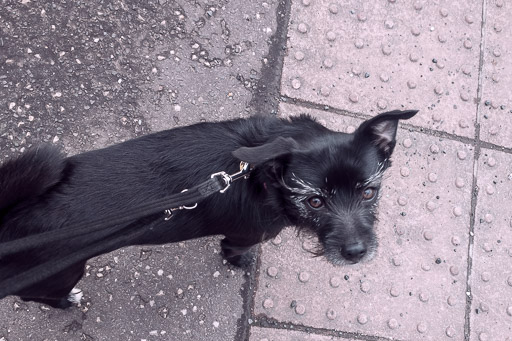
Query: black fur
{"x": 303, "y": 174}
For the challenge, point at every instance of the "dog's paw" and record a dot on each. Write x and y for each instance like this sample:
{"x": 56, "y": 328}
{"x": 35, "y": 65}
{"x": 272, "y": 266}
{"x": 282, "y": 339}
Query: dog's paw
{"x": 75, "y": 296}
{"x": 242, "y": 261}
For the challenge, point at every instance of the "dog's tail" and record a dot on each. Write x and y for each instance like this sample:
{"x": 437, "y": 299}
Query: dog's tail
{"x": 29, "y": 175}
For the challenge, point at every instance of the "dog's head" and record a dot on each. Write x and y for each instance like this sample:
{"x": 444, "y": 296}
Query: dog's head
{"x": 329, "y": 182}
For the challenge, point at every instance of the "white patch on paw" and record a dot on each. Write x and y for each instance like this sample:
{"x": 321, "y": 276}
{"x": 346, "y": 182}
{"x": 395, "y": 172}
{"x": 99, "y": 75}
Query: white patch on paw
{"x": 75, "y": 295}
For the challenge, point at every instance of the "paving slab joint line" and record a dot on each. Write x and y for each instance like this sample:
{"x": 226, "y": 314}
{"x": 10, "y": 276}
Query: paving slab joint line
{"x": 474, "y": 196}
{"x": 266, "y": 96}
{"x": 248, "y": 292}
{"x": 476, "y": 142}
{"x": 322, "y": 107}
{"x": 264, "y": 321}
{"x": 249, "y": 298}
{"x": 423, "y": 130}
{"x": 480, "y": 68}
{"x": 472, "y": 215}
{"x": 268, "y": 85}
{"x": 413, "y": 128}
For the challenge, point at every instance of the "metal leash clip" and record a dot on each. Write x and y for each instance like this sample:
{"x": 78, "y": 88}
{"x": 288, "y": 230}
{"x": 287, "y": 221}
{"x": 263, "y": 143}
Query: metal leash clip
{"x": 168, "y": 212}
{"x": 228, "y": 179}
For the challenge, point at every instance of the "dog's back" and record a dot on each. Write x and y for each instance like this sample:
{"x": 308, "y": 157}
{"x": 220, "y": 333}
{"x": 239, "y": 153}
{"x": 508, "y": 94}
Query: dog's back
{"x": 29, "y": 176}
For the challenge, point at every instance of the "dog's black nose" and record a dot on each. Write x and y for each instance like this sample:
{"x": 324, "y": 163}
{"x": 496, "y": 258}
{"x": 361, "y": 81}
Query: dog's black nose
{"x": 354, "y": 252}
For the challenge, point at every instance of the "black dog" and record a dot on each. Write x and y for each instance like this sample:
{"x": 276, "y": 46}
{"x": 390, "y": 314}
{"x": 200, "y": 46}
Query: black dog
{"x": 303, "y": 174}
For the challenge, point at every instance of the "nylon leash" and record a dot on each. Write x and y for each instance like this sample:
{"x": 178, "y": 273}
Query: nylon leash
{"x": 110, "y": 237}
{"x": 218, "y": 182}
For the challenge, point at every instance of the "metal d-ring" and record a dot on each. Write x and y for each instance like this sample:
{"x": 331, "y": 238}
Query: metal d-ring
{"x": 187, "y": 207}
{"x": 168, "y": 212}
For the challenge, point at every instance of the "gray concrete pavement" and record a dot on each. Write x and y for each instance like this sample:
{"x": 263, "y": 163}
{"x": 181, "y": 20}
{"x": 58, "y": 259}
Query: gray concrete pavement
{"x": 84, "y": 75}
{"x": 87, "y": 74}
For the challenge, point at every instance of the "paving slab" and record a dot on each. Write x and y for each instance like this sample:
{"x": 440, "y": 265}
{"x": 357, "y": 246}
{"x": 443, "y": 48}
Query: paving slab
{"x": 212, "y": 72}
{"x": 415, "y": 288}
{"x": 83, "y": 75}
{"x": 373, "y": 55}
{"x": 491, "y": 275}
{"x": 496, "y": 107}
{"x": 268, "y": 334}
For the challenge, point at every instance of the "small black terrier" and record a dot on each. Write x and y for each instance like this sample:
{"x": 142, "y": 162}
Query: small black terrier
{"x": 303, "y": 174}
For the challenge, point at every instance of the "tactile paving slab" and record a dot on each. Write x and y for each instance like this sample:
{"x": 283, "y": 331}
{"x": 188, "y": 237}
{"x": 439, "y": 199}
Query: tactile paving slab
{"x": 267, "y": 334}
{"x": 376, "y": 55}
{"x": 491, "y": 276}
{"x": 345, "y": 124}
{"x": 415, "y": 288}
{"x": 496, "y": 109}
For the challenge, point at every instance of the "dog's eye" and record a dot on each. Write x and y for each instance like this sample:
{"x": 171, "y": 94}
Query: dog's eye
{"x": 369, "y": 193}
{"x": 316, "y": 202}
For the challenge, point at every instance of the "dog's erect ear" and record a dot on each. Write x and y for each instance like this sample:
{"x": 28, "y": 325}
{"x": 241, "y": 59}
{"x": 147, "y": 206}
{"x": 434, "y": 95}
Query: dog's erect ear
{"x": 266, "y": 152}
{"x": 381, "y": 129}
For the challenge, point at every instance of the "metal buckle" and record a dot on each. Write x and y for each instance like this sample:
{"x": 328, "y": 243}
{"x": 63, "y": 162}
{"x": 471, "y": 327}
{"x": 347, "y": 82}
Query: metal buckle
{"x": 228, "y": 179}
{"x": 225, "y": 177}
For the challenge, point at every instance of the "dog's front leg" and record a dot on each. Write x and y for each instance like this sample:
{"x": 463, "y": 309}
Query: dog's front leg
{"x": 238, "y": 252}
